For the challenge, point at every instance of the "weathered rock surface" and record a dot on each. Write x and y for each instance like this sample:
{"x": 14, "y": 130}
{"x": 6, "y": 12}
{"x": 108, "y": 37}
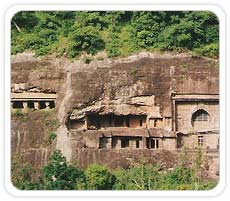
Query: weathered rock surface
{"x": 122, "y": 86}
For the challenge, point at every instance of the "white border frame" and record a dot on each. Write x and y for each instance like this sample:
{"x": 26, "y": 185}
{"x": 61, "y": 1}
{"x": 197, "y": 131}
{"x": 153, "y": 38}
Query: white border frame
{"x": 89, "y": 193}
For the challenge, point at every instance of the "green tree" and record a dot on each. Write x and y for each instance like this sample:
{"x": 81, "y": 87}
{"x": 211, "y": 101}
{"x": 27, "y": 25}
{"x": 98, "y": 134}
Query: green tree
{"x": 60, "y": 176}
{"x": 24, "y": 20}
{"x": 139, "y": 176}
{"x": 119, "y": 32}
{"x": 99, "y": 178}
{"x": 85, "y": 39}
{"x": 22, "y": 174}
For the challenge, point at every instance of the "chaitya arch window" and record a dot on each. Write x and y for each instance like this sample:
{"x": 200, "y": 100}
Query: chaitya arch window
{"x": 200, "y": 117}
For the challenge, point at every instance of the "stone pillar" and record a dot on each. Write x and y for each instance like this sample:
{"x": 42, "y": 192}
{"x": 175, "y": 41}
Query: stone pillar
{"x": 160, "y": 145}
{"x": 135, "y": 143}
{"x": 16, "y": 87}
{"x": 143, "y": 143}
{"x": 36, "y": 105}
{"x": 173, "y": 115}
{"x": 47, "y": 105}
{"x": 25, "y": 105}
{"x": 109, "y": 146}
{"x": 119, "y": 143}
{"x": 86, "y": 123}
{"x": 124, "y": 122}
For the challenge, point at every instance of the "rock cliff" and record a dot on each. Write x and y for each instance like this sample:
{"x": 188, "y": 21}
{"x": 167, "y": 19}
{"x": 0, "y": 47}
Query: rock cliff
{"x": 122, "y": 86}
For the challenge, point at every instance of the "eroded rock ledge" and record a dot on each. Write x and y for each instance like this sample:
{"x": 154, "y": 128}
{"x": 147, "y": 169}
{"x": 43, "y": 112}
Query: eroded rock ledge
{"x": 136, "y": 92}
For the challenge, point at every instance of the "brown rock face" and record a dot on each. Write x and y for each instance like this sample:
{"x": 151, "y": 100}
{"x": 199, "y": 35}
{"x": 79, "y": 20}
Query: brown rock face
{"x": 145, "y": 77}
{"x": 31, "y": 135}
{"x": 105, "y": 86}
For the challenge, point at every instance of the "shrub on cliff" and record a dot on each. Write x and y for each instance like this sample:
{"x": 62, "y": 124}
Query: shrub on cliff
{"x": 119, "y": 33}
{"x": 84, "y": 39}
{"x": 139, "y": 177}
{"x": 60, "y": 176}
{"x": 99, "y": 178}
{"x": 210, "y": 50}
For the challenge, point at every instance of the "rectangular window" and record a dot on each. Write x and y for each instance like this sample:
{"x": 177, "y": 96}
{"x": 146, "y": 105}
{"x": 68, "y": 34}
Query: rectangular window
{"x": 124, "y": 143}
{"x": 200, "y": 140}
{"x": 157, "y": 144}
{"x": 147, "y": 143}
{"x": 102, "y": 142}
{"x": 152, "y": 143}
{"x": 137, "y": 144}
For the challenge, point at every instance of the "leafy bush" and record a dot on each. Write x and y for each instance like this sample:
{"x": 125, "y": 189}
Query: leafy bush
{"x": 99, "y": 178}
{"x": 139, "y": 177}
{"x": 181, "y": 175}
{"x": 18, "y": 113}
{"x": 211, "y": 50}
{"x": 52, "y": 136}
{"x": 22, "y": 173}
{"x": 84, "y": 39}
{"x": 120, "y": 33}
{"x": 59, "y": 176}
{"x": 87, "y": 60}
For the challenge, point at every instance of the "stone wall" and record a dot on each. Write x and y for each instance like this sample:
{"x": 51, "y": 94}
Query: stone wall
{"x": 185, "y": 110}
{"x": 139, "y": 85}
{"x": 210, "y": 141}
{"x": 169, "y": 143}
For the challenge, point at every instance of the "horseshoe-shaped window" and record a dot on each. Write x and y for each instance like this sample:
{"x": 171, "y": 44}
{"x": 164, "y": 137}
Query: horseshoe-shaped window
{"x": 200, "y": 116}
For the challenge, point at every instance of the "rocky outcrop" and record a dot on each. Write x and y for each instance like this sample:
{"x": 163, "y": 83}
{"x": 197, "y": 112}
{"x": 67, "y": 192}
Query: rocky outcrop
{"x": 133, "y": 85}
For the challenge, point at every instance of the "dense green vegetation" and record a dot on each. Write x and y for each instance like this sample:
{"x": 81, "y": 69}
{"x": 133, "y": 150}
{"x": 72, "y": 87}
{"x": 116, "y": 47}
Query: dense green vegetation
{"x": 119, "y": 33}
{"x": 58, "y": 175}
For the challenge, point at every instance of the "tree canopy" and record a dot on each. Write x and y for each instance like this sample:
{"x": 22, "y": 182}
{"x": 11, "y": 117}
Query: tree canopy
{"x": 119, "y": 33}
{"x": 59, "y": 175}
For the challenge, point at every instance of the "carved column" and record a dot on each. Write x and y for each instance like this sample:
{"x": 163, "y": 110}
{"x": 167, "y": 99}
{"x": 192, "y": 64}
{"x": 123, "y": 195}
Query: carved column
{"x": 135, "y": 143}
{"x": 86, "y": 123}
{"x": 25, "y": 105}
{"x": 173, "y": 115}
{"x": 36, "y": 105}
{"x": 47, "y": 105}
{"x": 118, "y": 143}
{"x": 109, "y": 145}
{"x": 143, "y": 143}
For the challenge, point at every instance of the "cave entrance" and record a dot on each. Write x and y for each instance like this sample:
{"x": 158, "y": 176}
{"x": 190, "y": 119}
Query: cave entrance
{"x": 17, "y": 104}
{"x": 124, "y": 142}
{"x": 103, "y": 142}
{"x": 96, "y": 121}
{"x": 42, "y": 105}
{"x": 30, "y": 104}
{"x": 52, "y": 104}
{"x": 136, "y": 121}
{"x": 152, "y": 143}
{"x": 119, "y": 121}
